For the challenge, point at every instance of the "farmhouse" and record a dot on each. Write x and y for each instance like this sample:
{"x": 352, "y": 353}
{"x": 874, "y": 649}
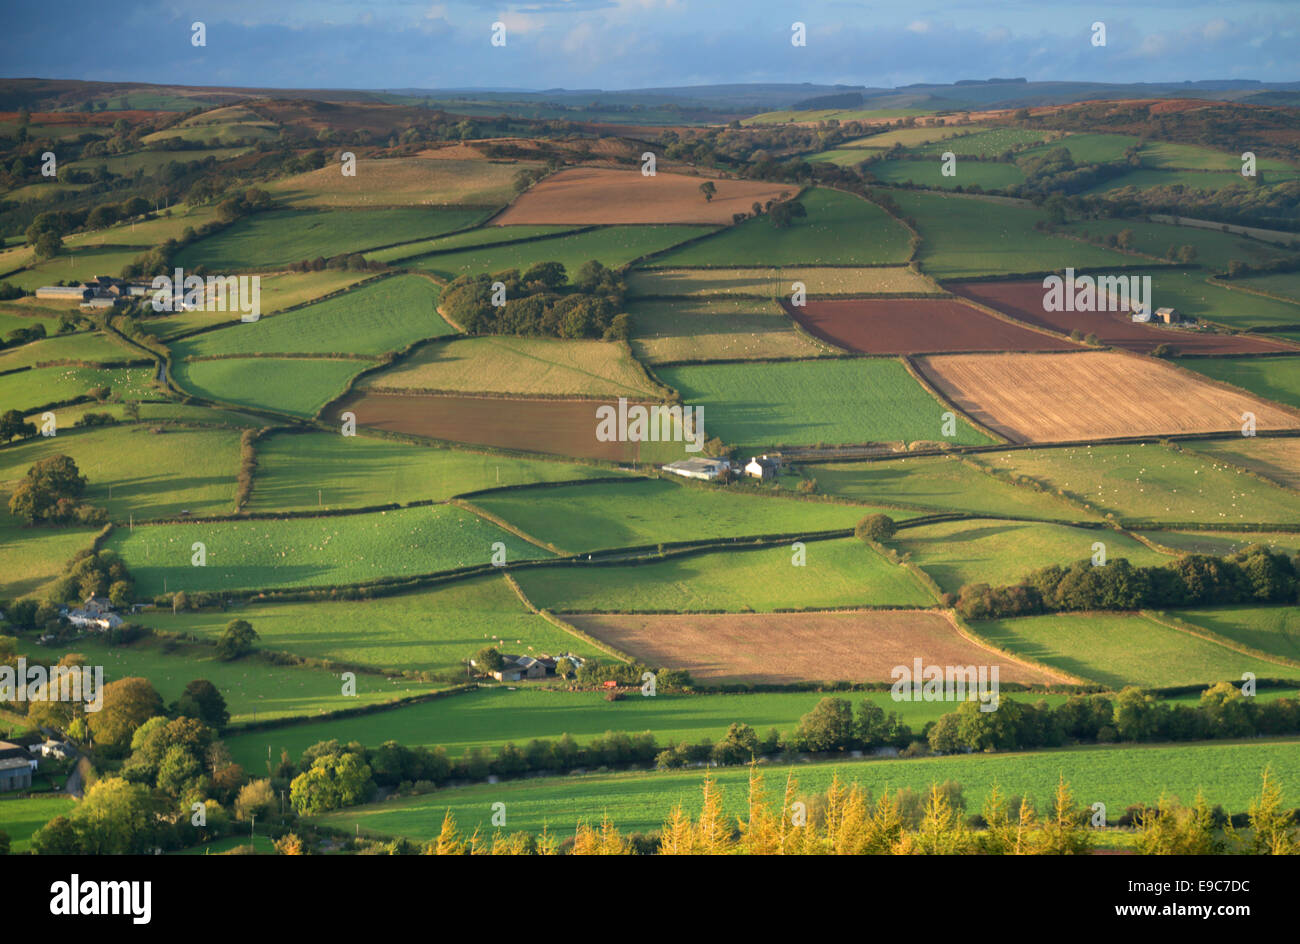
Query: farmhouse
{"x": 16, "y": 766}
{"x": 103, "y": 291}
{"x": 60, "y": 750}
{"x": 95, "y": 613}
{"x": 707, "y": 469}
{"x": 763, "y": 467}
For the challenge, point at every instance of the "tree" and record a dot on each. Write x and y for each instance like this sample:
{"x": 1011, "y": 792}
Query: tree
{"x": 708, "y": 189}
{"x": 488, "y": 660}
{"x": 48, "y": 245}
{"x": 256, "y": 798}
{"x": 201, "y": 700}
{"x": 828, "y": 727}
{"x": 875, "y": 528}
{"x": 334, "y": 781}
{"x": 127, "y": 704}
{"x": 13, "y": 426}
{"x": 48, "y": 491}
{"x": 236, "y": 639}
{"x": 1124, "y": 239}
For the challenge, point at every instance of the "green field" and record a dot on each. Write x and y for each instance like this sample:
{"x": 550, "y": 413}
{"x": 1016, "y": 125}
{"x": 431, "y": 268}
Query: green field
{"x": 311, "y": 552}
{"x": 22, "y": 816}
{"x": 278, "y": 237}
{"x": 1286, "y": 284}
{"x": 125, "y": 165}
{"x": 808, "y": 402}
{"x": 88, "y": 346}
{"x": 1228, "y": 773}
{"x": 1091, "y": 148}
{"x": 958, "y": 553}
{"x": 382, "y": 316}
{"x": 612, "y": 245}
{"x": 1223, "y": 543}
{"x": 493, "y": 716}
{"x": 254, "y": 690}
{"x": 1189, "y": 292}
{"x": 841, "y": 573}
{"x": 1214, "y": 248}
{"x": 522, "y": 366}
{"x": 991, "y": 143}
{"x": 301, "y": 472}
{"x": 30, "y": 389}
{"x": 967, "y": 236}
{"x": 1196, "y": 157}
{"x": 989, "y": 175}
{"x": 601, "y": 515}
{"x": 839, "y": 114}
{"x": 773, "y": 283}
{"x": 936, "y": 483}
{"x": 840, "y": 229}
{"x": 132, "y": 471}
{"x": 1271, "y": 629}
{"x": 1274, "y": 378}
{"x": 715, "y": 329}
{"x": 1122, "y": 649}
{"x": 75, "y": 263}
{"x": 467, "y": 239}
{"x": 425, "y": 631}
{"x": 297, "y": 386}
{"x": 30, "y": 558}
{"x": 1149, "y": 482}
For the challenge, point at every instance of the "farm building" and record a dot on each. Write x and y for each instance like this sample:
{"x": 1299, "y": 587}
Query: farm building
{"x": 763, "y": 467}
{"x": 103, "y": 291}
{"x": 95, "y": 613}
{"x": 518, "y": 668}
{"x": 16, "y": 766}
{"x": 1169, "y": 315}
{"x": 707, "y": 469}
{"x": 61, "y": 750}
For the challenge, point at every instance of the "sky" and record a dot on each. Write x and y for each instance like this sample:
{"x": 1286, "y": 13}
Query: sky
{"x": 622, "y": 44}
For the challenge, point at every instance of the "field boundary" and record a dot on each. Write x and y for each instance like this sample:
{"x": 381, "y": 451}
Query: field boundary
{"x": 926, "y": 384}
{"x": 565, "y": 625}
{"x": 1178, "y": 624}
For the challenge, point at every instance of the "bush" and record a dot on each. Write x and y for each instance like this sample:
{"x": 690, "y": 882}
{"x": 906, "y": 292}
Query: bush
{"x": 876, "y": 527}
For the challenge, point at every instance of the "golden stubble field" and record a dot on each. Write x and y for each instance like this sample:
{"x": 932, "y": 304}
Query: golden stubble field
{"x": 1092, "y": 395}
{"x": 596, "y": 195}
{"x": 780, "y": 648}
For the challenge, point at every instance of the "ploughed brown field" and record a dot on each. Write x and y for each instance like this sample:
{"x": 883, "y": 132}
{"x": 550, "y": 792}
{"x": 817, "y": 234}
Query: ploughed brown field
{"x": 779, "y": 648}
{"x": 562, "y": 427}
{"x": 1092, "y": 395}
{"x": 916, "y": 326}
{"x": 1024, "y": 299}
{"x": 589, "y": 195}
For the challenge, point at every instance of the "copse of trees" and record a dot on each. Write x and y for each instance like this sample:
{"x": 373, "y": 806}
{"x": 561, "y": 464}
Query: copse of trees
{"x": 1253, "y": 575}
{"x": 50, "y": 493}
{"x": 541, "y": 302}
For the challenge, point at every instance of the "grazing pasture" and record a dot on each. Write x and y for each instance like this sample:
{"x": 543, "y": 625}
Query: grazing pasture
{"x": 305, "y": 471}
{"x": 968, "y": 236}
{"x": 1115, "y": 650}
{"x": 1276, "y": 378}
{"x": 916, "y": 326}
{"x": 1286, "y": 284}
{"x": 465, "y": 240}
{"x": 1025, "y": 299}
{"x": 311, "y": 552}
{"x": 1091, "y": 148}
{"x": 30, "y": 389}
{"x": 1190, "y": 180}
{"x": 404, "y": 182}
{"x": 275, "y": 238}
{"x": 1221, "y": 543}
{"x": 75, "y": 263}
{"x": 1148, "y": 482}
{"x": 988, "y": 175}
{"x": 782, "y": 648}
{"x": 715, "y": 329}
{"x": 839, "y": 574}
{"x": 559, "y": 427}
{"x": 296, "y": 386}
{"x": 840, "y": 229}
{"x": 382, "y": 316}
{"x": 990, "y": 143}
{"x": 1093, "y": 395}
{"x": 601, "y": 515}
{"x": 810, "y": 402}
{"x": 132, "y": 471}
{"x": 21, "y": 816}
{"x": 957, "y": 553}
{"x": 431, "y": 630}
{"x": 31, "y": 557}
{"x": 524, "y": 366}
{"x": 640, "y": 801}
{"x": 614, "y": 246}
{"x": 937, "y": 483}
{"x": 587, "y": 195}
{"x": 1275, "y": 458}
{"x": 1214, "y": 248}
{"x": 85, "y": 346}
{"x": 1270, "y": 629}
{"x": 775, "y": 283}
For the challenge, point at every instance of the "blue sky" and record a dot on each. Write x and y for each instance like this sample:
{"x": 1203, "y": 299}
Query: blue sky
{"x": 615, "y": 44}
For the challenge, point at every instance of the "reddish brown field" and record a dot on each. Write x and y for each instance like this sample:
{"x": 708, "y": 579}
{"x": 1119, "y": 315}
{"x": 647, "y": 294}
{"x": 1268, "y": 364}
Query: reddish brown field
{"x": 594, "y": 195}
{"x": 562, "y": 427}
{"x": 1092, "y": 395}
{"x": 1023, "y": 299}
{"x": 916, "y": 326}
{"x": 779, "y": 648}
